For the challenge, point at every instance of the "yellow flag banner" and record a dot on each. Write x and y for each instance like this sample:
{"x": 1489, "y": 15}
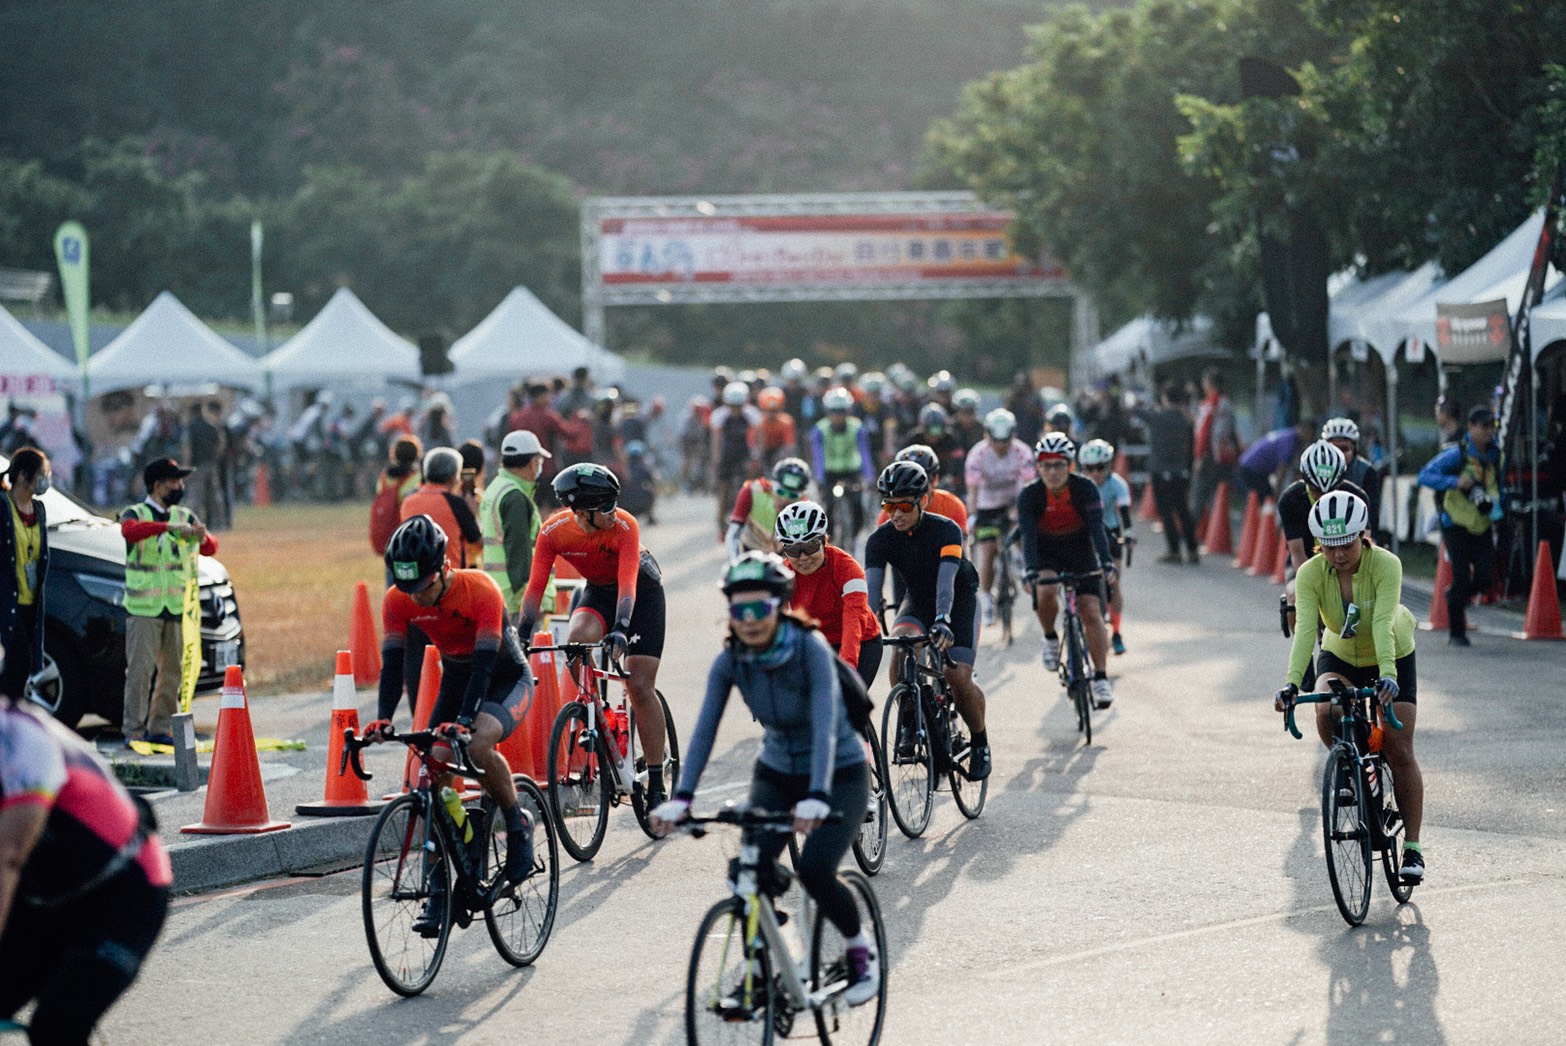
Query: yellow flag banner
{"x": 190, "y": 630}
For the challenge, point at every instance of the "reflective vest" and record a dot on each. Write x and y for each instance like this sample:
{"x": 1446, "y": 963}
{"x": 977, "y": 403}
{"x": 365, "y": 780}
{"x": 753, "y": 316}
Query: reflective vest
{"x": 431, "y": 501}
{"x": 1459, "y": 506}
{"x": 156, "y": 568}
{"x": 840, "y": 450}
{"x": 494, "y": 536}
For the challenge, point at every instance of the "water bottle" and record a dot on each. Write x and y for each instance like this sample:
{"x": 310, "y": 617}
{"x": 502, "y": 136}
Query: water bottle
{"x": 459, "y": 813}
{"x": 622, "y": 729}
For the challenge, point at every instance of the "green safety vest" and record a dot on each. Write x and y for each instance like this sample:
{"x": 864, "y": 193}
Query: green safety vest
{"x": 840, "y": 450}
{"x": 1457, "y": 504}
{"x": 156, "y": 569}
{"x": 494, "y": 560}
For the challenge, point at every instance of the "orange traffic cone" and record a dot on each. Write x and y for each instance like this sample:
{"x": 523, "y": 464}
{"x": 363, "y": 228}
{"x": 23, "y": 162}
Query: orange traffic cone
{"x": 236, "y": 801}
{"x": 1220, "y": 539}
{"x": 517, "y": 748}
{"x": 1544, "y": 605}
{"x": 548, "y": 667}
{"x": 1440, "y": 618}
{"x": 345, "y": 793}
{"x": 1149, "y": 507}
{"x": 423, "y": 707}
{"x": 366, "y": 648}
{"x": 1247, "y": 551}
{"x": 261, "y": 489}
{"x": 1280, "y": 566}
{"x": 1267, "y": 540}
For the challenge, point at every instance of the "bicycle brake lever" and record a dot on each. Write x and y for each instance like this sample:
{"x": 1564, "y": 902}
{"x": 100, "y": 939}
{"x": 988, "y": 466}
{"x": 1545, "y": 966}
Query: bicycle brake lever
{"x": 351, "y": 748}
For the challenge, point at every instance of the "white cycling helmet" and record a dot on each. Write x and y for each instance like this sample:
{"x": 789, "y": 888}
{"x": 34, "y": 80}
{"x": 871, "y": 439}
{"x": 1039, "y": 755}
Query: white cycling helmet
{"x": 1055, "y": 445}
{"x": 1339, "y": 518}
{"x": 800, "y": 521}
{"x": 735, "y": 393}
{"x": 846, "y": 372}
{"x": 794, "y": 370}
{"x": 1000, "y": 423}
{"x": 1322, "y": 465}
{"x": 965, "y": 399}
{"x": 873, "y": 383}
{"x": 1341, "y": 428}
{"x": 941, "y": 381}
{"x": 837, "y": 399}
{"x": 1095, "y": 452}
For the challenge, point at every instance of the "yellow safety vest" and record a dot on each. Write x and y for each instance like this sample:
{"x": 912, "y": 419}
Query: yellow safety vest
{"x": 494, "y": 560}
{"x": 157, "y": 568}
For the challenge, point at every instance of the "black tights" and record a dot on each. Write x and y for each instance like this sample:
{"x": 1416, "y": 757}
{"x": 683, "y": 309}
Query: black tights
{"x": 824, "y": 848}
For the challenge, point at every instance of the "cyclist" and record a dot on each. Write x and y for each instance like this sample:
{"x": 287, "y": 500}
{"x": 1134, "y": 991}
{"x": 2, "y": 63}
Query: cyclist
{"x": 1321, "y": 470}
{"x": 622, "y": 601}
{"x": 84, "y": 879}
{"x": 967, "y": 429}
{"x": 811, "y": 760}
{"x": 795, "y": 394}
{"x": 1096, "y": 458}
{"x": 877, "y": 413}
{"x": 840, "y": 450}
{"x": 942, "y": 502}
{"x": 998, "y": 468}
{"x": 485, "y": 685}
{"x": 1061, "y": 519}
{"x": 1343, "y": 433}
{"x": 941, "y": 602}
{"x": 829, "y": 587}
{"x": 935, "y": 431}
{"x": 775, "y": 437}
{"x": 1355, "y": 589}
{"x": 733, "y": 426}
{"x": 759, "y": 502}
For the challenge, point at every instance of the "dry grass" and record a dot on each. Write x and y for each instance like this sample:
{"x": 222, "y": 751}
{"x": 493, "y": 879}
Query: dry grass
{"x": 294, "y": 568}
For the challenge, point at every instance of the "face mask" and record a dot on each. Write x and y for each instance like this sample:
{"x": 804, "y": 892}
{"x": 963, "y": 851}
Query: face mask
{"x": 41, "y": 485}
{"x": 175, "y": 496}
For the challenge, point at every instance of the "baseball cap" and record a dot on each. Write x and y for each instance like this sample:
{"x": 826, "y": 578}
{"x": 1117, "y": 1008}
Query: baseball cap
{"x": 160, "y": 469}
{"x": 520, "y": 442}
{"x": 1481, "y": 416}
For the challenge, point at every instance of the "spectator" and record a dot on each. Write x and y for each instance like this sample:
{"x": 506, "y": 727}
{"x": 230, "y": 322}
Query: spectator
{"x": 438, "y": 498}
{"x": 509, "y": 517}
{"x": 1274, "y": 455}
{"x": 435, "y": 428}
{"x": 1170, "y": 436}
{"x": 1466, "y": 481}
{"x": 578, "y": 396}
{"x": 1217, "y": 441}
{"x": 473, "y": 479}
{"x": 205, "y": 444}
{"x": 544, "y": 422}
{"x": 1023, "y": 402}
{"x": 1449, "y": 419}
{"x": 25, "y": 567}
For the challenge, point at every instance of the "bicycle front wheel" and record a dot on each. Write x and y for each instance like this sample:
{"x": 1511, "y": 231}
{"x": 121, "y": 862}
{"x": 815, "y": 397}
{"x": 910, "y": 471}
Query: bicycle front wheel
{"x": 671, "y": 765}
{"x": 908, "y": 762}
{"x": 1392, "y": 834}
{"x": 578, "y": 782}
{"x": 405, "y": 864}
{"x": 1081, "y": 689}
{"x": 836, "y": 1021}
{"x": 1005, "y": 596}
{"x": 870, "y": 843}
{"x": 728, "y": 993}
{"x": 521, "y": 915}
{"x": 1346, "y": 834}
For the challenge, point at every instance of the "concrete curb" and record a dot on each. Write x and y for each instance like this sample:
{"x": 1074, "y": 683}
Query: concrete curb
{"x": 311, "y": 845}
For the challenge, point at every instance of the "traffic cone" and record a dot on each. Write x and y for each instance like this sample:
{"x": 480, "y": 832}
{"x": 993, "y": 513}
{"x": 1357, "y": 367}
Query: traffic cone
{"x": 1267, "y": 540}
{"x": 548, "y": 667}
{"x": 366, "y": 648}
{"x": 1280, "y": 566}
{"x": 345, "y": 794}
{"x": 517, "y": 748}
{"x": 1247, "y": 551}
{"x": 1440, "y": 619}
{"x": 1220, "y": 540}
{"x": 236, "y": 800}
{"x": 261, "y": 489}
{"x": 423, "y": 707}
{"x": 1544, "y": 605}
{"x": 1149, "y": 507}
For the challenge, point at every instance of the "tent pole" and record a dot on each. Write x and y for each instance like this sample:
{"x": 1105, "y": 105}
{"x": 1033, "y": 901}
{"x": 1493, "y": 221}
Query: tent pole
{"x": 1392, "y": 448}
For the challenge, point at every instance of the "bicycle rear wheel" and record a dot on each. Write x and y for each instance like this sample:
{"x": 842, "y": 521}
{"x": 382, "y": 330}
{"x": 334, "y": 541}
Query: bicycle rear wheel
{"x": 1346, "y": 834}
{"x": 908, "y": 761}
{"x": 671, "y": 765}
{"x": 521, "y": 915}
{"x": 969, "y": 795}
{"x": 838, "y": 1023}
{"x": 728, "y": 992}
{"x": 870, "y": 843}
{"x": 578, "y": 782}
{"x": 404, "y": 862}
{"x": 1392, "y": 833}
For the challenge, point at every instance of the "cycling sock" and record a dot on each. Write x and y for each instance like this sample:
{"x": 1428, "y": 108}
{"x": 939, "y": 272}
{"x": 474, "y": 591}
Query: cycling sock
{"x": 1050, "y": 635}
{"x": 516, "y": 821}
{"x": 1114, "y": 620}
{"x": 655, "y": 777}
{"x": 1100, "y": 675}
{"x": 1409, "y": 844}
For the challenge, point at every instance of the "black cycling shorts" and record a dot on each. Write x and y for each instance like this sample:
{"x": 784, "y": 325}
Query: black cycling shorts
{"x": 990, "y": 524}
{"x": 509, "y": 697}
{"x": 964, "y": 623}
{"x": 648, "y": 616}
{"x": 1407, "y": 675}
{"x": 1070, "y": 554}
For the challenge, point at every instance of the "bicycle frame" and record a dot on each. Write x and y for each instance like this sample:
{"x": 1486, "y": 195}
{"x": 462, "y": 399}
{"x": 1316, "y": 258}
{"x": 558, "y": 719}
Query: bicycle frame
{"x": 592, "y": 686}
{"x": 1351, "y": 703}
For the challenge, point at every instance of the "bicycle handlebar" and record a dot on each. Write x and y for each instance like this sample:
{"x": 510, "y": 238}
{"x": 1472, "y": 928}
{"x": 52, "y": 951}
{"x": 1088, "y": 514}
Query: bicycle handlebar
{"x": 917, "y": 640}
{"x": 422, "y": 741}
{"x": 1337, "y": 693}
{"x": 572, "y": 650}
{"x": 745, "y": 817}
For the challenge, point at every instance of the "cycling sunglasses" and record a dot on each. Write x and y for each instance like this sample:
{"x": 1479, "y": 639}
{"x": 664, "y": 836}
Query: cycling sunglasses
{"x": 899, "y": 506}
{"x": 797, "y": 549}
{"x": 755, "y": 609}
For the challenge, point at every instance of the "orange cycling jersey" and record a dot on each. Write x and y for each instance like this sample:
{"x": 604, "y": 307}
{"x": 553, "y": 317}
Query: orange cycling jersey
{"x": 942, "y": 503}
{"x": 603, "y": 558}
{"x": 468, "y": 616}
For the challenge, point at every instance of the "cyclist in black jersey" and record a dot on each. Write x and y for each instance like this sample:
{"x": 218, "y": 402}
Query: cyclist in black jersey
{"x": 942, "y": 597}
{"x": 1323, "y": 468}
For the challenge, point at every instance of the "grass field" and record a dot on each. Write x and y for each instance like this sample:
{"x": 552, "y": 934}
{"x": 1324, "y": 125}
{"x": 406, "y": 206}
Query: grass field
{"x": 294, "y": 568}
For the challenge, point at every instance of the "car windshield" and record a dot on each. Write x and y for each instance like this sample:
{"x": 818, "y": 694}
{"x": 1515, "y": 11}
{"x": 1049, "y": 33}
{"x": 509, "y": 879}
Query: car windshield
{"x": 62, "y": 508}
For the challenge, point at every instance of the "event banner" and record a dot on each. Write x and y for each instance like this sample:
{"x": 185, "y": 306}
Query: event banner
{"x": 1476, "y": 333}
{"x": 813, "y": 250}
{"x": 70, "y": 252}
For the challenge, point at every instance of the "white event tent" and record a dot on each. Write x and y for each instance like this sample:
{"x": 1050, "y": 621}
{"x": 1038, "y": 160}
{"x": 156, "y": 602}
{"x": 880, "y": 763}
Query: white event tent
{"x": 23, "y": 356}
{"x": 345, "y": 344}
{"x": 1146, "y": 342}
{"x": 1351, "y": 311}
{"x": 522, "y": 338}
{"x": 168, "y": 345}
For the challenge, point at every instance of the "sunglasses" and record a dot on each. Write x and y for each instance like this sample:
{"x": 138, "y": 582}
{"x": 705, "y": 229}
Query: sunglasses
{"x": 899, "y": 506}
{"x": 755, "y": 609}
{"x": 797, "y": 549}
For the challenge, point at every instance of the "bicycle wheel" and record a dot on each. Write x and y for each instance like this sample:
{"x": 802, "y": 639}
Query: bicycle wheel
{"x": 404, "y": 862}
{"x": 1081, "y": 689}
{"x": 728, "y": 993}
{"x": 908, "y": 764}
{"x": 671, "y": 765}
{"x": 578, "y": 785}
{"x": 1005, "y": 594}
{"x": 1346, "y": 835}
{"x": 836, "y": 1021}
{"x": 1392, "y": 833}
{"x": 969, "y": 795}
{"x": 521, "y": 916}
{"x": 870, "y": 843}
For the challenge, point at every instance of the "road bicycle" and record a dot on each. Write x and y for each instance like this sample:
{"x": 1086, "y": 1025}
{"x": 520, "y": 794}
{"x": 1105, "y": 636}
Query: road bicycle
{"x": 845, "y": 509}
{"x": 1359, "y": 814}
{"x": 746, "y": 984}
{"x": 925, "y": 740}
{"x": 870, "y": 843}
{"x": 595, "y": 752}
{"x": 1076, "y": 668}
{"x": 417, "y": 851}
{"x": 1006, "y": 574}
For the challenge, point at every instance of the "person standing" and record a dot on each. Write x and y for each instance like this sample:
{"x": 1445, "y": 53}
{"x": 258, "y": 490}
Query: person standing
{"x": 205, "y": 442}
{"x": 26, "y": 546}
{"x": 438, "y": 498}
{"x": 509, "y": 519}
{"x": 1170, "y": 436}
{"x": 162, "y": 541}
{"x": 1217, "y": 443}
{"x": 1466, "y": 481}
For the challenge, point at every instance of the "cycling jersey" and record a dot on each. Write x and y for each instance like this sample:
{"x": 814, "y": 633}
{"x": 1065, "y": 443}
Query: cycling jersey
{"x": 1294, "y": 506}
{"x": 1115, "y": 495}
{"x": 942, "y": 583}
{"x": 605, "y": 557}
{"x": 1384, "y": 631}
{"x": 1074, "y": 509}
{"x": 996, "y": 478}
{"x": 837, "y": 453}
{"x": 837, "y": 597}
{"x": 942, "y": 503}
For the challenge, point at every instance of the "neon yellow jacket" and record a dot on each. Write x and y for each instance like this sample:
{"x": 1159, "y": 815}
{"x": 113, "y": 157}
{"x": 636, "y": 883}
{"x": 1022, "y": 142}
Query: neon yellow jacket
{"x": 1386, "y": 627}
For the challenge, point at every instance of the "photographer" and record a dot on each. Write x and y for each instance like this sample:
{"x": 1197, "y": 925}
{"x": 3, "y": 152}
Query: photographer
{"x": 1466, "y": 480}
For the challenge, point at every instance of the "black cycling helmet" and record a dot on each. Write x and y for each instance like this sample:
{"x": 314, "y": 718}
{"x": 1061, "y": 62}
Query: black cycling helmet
{"x": 757, "y": 569}
{"x": 416, "y": 552}
{"x": 792, "y": 475}
{"x": 923, "y": 456}
{"x": 589, "y": 487}
{"x": 903, "y": 481}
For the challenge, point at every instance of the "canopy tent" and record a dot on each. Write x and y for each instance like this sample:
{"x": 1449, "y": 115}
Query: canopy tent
{"x": 23, "y": 356}
{"x": 1350, "y": 312}
{"x": 1147, "y": 342}
{"x": 168, "y": 345}
{"x": 1547, "y": 322}
{"x": 344, "y": 343}
{"x": 523, "y": 338}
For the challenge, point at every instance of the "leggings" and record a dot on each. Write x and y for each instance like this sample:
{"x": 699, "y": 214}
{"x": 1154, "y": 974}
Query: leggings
{"x": 869, "y": 660}
{"x": 824, "y": 848}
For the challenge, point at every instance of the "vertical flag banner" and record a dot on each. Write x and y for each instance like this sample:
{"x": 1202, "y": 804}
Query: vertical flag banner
{"x": 257, "y": 304}
{"x": 70, "y": 253}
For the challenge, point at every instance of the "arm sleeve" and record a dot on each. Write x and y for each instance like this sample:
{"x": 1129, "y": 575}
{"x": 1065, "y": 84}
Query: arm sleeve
{"x": 630, "y": 562}
{"x": 392, "y": 677}
{"x": 134, "y": 530}
{"x": 875, "y": 574}
{"x": 826, "y": 703}
{"x": 516, "y": 526}
{"x": 1441, "y": 472}
{"x": 946, "y": 586}
{"x": 720, "y": 681}
{"x": 466, "y": 522}
{"x": 1125, "y": 519}
{"x": 731, "y": 543}
{"x": 1373, "y": 496}
{"x": 1307, "y": 612}
{"x": 973, "y": 472}
{"x": 1093, "y": 513}
{"x": 1387, "y": 576}
{"x": 538, "y": 577}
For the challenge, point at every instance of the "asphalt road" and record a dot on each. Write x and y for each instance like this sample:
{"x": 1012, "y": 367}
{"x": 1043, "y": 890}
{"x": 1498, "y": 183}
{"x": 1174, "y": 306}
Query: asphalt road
{"x": 1164, "y": 886}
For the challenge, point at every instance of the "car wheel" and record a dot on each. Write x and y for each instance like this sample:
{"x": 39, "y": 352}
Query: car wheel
{"x": 73, "y": 688}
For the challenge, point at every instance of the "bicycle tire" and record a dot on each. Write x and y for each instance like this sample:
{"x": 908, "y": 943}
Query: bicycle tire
{"x": 1081, "y": 689}
{"x": 838, "y": 1024}
{"x": 969, "y": 795}
{"x": 671, "y": 765}
{"x": 1392, "y": 833}
{"x": 870, "y": 843}
{"x": 396, "y": 882}
{"x": 1005, "y": 600}
{"x": 720, "y": 940}
{"x": 1346, "y": 836}
{"x": 909, "y": 774}
{"x": 520, "y": 917}
{"x": 576, "y": 776}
